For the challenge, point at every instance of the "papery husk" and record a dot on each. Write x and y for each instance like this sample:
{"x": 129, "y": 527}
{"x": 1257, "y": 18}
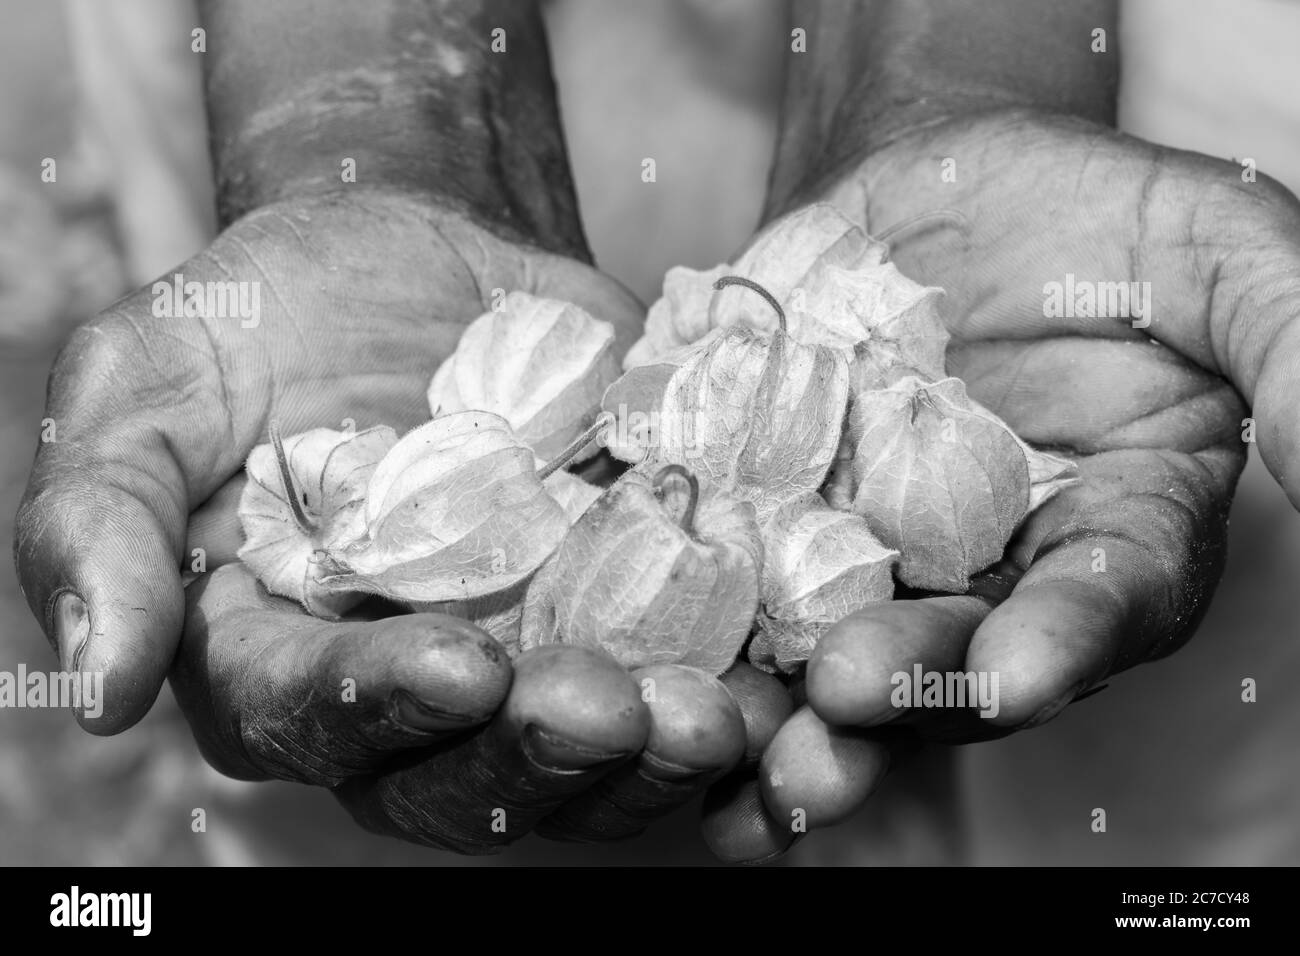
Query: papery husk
{"x": 329, "y": 471}
{"x": 820, "y": 565}
{"x": 455, "y": 511}
{"x": 501, "y": 612}
{"x": 630, "y": 580}
{"x": 937, "y": 481}
{"x": 541, "y": 364}
{"x": 679, "y": 317}
{"x": 758, "y": 414}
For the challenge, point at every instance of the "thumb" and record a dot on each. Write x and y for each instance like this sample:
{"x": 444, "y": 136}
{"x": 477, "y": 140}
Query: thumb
{"x": 138, "y": 431}
{"x": 270, "y": 691}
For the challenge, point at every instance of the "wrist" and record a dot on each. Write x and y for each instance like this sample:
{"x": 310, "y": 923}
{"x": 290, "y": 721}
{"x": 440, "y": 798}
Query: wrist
{"x": 307, "y": 98}
{"x": 878, "y": 71}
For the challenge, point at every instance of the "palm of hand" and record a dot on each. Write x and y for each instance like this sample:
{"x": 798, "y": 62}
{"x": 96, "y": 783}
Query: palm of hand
{"x": 360, "y": 299}
{"x": 1117, "y": 569}
{"x": 363, "y": 307}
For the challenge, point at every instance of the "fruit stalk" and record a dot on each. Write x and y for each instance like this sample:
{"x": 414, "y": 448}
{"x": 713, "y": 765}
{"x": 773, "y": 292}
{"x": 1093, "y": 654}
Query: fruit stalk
{"x": 603, "y": 421}
{"x": 305, "y": 524}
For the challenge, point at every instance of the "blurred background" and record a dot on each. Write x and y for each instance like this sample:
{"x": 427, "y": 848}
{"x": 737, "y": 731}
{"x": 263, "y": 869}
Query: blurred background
{"x": 1187, "y": 772}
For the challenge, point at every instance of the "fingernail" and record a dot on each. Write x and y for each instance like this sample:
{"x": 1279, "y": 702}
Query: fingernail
{"x": 414, "y": 714}
{"x": 553, "y": 752}
{"x": 71, "y": 630}
{"x": 656, "y": 768}
{"x": 1054, "y": 708}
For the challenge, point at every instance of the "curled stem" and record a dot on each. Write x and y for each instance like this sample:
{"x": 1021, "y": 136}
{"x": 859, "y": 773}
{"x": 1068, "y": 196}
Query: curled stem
{"x": 921, "y": 397}
{"x": 687, "y": 520}
{"x": 603, "y": 421}
{"x": 305, "y": 524}
{"x": 776, "y": 353}
{"x": 754, "y": 287}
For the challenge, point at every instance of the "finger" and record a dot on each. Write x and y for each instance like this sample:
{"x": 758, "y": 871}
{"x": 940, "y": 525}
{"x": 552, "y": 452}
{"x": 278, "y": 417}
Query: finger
{"x": 814, "y": 775}
{"x": 764, "y": 703}
{"x": 572, "y": 716}
{"x": 1245, "y": 242}
{"x": 851, "y": 675}
{"x": 272, "y": 692}
{"x": 697, "y": 733}
{"x": 215, "y": 534}
{"x": 1218, "y": 254}
{"x": 1120, "y": 570}
{"x": 736, "y": 825}
{"x": 99, "y": 533}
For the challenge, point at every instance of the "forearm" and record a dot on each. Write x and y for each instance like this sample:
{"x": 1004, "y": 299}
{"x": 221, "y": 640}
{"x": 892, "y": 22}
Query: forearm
{"x": 875, "y": 69}
{"x": 410, "y": 90}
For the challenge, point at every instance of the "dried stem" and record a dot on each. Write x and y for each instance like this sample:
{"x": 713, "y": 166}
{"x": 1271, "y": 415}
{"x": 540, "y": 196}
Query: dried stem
{"x": 921, "y": 397}
{"x": 571, "y": 451}
{"x": 754, "y": 287}
{"x": 772, "y": 368}
{"x": 305, "y": 524}
{"x": 687, "y": 521}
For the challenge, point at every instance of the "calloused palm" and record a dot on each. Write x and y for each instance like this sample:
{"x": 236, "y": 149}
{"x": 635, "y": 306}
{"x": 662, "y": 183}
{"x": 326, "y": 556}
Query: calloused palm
{"x": 362, "y": 294}
{"x": 1118, "y": 569}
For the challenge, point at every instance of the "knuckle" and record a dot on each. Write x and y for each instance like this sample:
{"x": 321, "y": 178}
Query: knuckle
{"x": 424, "y": 822}
{"x": 272, "y": 742}
{"x": 96, "y": 350}
{"x": 123, "y": 372}
{"x": 225, "y": 763}
{"x": 1275, "y": 194}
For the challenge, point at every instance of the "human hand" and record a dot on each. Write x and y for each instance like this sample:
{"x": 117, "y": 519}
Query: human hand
{"x": 361, "y": 297}
{"x": 1118, "y": 569}
{"x": 378, "y": 179}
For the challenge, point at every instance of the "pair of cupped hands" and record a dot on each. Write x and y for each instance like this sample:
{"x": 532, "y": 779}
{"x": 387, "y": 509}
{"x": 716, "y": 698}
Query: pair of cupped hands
{"x": 444, "y": 740}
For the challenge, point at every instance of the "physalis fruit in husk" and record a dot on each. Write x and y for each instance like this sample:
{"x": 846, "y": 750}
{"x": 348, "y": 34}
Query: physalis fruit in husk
{"x": 834, "y": 285}
{"x": 680, "y": 316}
{"x": 759, "y": 415}
{"x": 653, "y": 575}
{"x": 456, "y": 510}
{"x": 819, "y": 565}
{"x": 541, "y": 364}
{"x": 302, "y": 495}
{"x": 944, "y": 482}
{"x": 501, "y": 612}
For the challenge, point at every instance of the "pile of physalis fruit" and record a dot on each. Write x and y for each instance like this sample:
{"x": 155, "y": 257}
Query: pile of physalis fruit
{"x": 795, "y": 448}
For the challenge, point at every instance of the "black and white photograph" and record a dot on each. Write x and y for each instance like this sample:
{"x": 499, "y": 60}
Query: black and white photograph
{"x": 756, "y": 434}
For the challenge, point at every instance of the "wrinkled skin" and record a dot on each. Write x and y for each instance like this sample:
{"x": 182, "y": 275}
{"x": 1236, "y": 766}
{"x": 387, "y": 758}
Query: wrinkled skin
{"x": 362, "y": 295}
{"x": 1154, "y": 417}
